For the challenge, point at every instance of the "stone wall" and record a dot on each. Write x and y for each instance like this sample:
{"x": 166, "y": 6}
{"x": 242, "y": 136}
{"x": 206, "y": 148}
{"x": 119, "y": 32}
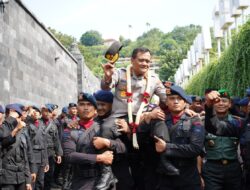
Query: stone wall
{"x": 34, "y": 67}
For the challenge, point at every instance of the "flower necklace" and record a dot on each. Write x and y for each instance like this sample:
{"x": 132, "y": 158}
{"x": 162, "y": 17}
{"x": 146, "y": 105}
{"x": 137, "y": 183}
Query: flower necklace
{"x": 145, "y": 102}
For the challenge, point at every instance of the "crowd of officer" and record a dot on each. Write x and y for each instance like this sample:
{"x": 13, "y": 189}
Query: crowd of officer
{"x": 184, "y": 142}
{"x": 32, "y": 139}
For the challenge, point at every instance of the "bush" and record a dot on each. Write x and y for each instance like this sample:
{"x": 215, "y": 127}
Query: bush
{"x": 231, "y": 71}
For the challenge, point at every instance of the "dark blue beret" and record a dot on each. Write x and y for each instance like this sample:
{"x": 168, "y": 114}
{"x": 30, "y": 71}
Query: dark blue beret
{"x": 49, "y": 107}
{"x": 65, "y": 109}
{"x": 189, "y": 100}
{"x": 87, "y": 97}
{"x": 21, "y": 106}
{"x": 196, "y": 98}
{"x": 53, "y": 106}
{"x": 71, "y": 105}
{"x": 104, "y": 96}
{"x": 2, "y": 109}
{"x": 236, "y": 100}
{"x": 244, "y": 102}
{"x": 177, "y": 90}
{"x": 15, "y": 107}
{"x": 36, "y": 108}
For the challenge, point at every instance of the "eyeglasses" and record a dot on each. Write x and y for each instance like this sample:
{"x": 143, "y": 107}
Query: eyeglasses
{"x": 144, "y": 60}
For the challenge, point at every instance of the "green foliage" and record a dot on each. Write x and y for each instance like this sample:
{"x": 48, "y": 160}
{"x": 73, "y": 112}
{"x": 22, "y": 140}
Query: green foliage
{"x": 91, "y": 38}
{"x": 151, "y": 40}
{"x": 65, "y": 39}
{"x": 184, "y": 36}
{"x": 231, "y": 71}
{"x": 170, "y": 48}
{"x": 173, "y": 49}
{"x": 168, "y": 62}
{"x": 94, "y": 56}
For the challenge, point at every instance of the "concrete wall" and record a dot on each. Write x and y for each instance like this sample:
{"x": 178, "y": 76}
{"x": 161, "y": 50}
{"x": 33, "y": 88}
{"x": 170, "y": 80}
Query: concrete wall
{"x": 34, "y": 67}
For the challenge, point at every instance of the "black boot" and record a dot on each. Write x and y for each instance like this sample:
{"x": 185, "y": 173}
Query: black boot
{"x": 106, "y": 179}
{"x": 67, "y": 178}
{"x": 166, "y": 167}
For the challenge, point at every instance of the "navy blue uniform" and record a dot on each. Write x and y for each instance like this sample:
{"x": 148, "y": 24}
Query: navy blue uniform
{"x": 15, "y": 161}
{"x": 186, "y": 143}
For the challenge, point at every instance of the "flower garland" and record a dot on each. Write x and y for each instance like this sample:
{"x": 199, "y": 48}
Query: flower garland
{"x": 145, "y": 101}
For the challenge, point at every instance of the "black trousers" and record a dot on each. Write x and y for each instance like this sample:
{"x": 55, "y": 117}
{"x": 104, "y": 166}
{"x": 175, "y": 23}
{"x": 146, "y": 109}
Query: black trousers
{"x": 172, "y": 183}
{"x": 135, "y": 181}
{"x": 21, "y": 186}
{"x": 83, "y": 184}
{"x": 222, "y": 177}
{"x": 39, "y": 184}
{"x": 49, "y": 176}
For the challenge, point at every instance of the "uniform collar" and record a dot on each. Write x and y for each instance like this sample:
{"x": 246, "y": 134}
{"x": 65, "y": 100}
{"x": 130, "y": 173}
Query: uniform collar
{"x": 86, "y": 124}
{"x": 45, "y": 121}
{"x": 177, "y": 118}
{"x": 36, "y": 123}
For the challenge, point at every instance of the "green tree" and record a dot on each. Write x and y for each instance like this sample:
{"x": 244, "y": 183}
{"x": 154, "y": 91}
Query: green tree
{"x": 91, "y": 38}
{"x": 169, "y": 62}
{"x": 65, "y": 39}
{"x": 151, "y": 40}
{"x": 173, "y": 49}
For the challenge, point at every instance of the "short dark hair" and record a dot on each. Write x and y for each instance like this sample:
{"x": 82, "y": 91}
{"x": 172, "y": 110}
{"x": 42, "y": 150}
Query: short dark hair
{"x": 141, "y": 50}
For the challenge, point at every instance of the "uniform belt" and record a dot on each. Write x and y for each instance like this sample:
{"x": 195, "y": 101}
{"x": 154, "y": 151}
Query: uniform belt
{"x": 222, "y": 161}
{"x": 13, "y": 168}
{"x": 38, "y": 147}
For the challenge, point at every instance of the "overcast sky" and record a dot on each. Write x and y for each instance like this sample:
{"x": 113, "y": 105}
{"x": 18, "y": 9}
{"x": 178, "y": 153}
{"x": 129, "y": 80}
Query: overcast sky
{"x": 113, "y": 17}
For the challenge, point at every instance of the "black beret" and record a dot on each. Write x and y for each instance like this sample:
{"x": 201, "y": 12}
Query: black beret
{"x": 104, "y": 96}
{"x": 87, "y": 97}
{"x": 177, "y": 90}
{"x": 71, "y": 105}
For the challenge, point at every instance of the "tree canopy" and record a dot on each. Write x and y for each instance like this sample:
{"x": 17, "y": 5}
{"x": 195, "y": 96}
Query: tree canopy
{"x": 91, "y": 38}
{"x": 169, "y": 48}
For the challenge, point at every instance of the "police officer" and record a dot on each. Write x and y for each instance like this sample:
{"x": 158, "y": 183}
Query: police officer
{"x": 32, "y": 161}
{"x": 53, "y": 142}
{"x": 104, "y": 101}
{"x": 221, "y": 152}
{"x": 136, "y": 75}
{"x": 235, "y": 127}
{"x": 5, "y": 142}
{"x": 243, "y": 103}
{"x": 15, "y": 164}
{"x": 39, "y": 146}
{"x": 67, "y": 168}
{"x": 120, "y": 166}
{"x": 186, "y": 143}
{"x": 196, "y": 105}
{"x": 79, "y": 149}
